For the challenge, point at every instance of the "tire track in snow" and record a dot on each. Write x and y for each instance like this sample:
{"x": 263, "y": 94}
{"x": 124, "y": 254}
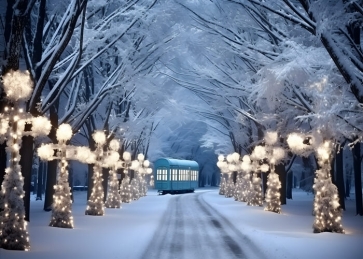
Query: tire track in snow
{"x": 191, "y": 228}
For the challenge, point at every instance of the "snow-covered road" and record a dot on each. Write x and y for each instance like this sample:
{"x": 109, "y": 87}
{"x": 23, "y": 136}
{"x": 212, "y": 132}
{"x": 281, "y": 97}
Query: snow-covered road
{"x": 191, "y": 228}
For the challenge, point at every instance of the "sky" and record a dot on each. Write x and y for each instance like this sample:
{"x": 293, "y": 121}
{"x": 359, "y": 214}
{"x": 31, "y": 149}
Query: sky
{"x": 126, "y": 232}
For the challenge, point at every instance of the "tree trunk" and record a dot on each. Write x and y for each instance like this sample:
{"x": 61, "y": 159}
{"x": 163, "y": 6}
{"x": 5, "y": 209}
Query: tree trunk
{"x": 92, "y": 146}
{"x": 70, "y": 180}
{"x": 280, "y": 170}
{"x": 340, "y": 177}
{"x": 264, "y": 183}
{"x": 358, "y": 179}
{"x": 52, "y": 165}
{"x": 18, "y": 21}
{"x": 348, "y": 182}
{"x": 90, "y": 180}
{"x": 40, "y": 181}
{"x": 26, "y": 163}
{"x": 333, "y": 171}
{"x": 14, "y": 27}
{"x": 105, "y": 174}
{"x": 290, "y": 176}
{"x": 51, "y": 181}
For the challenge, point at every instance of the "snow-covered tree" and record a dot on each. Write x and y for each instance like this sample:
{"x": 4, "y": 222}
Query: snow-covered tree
{"x": 13, "y": 227}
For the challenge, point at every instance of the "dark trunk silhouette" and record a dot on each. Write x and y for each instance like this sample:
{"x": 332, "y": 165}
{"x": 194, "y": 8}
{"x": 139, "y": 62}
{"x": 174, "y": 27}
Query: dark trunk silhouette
{"x": 339, "y": 176}
{"x": 280, "y": 170}
{"x": 290, "y": 176}
{"x": 358, "y": 179}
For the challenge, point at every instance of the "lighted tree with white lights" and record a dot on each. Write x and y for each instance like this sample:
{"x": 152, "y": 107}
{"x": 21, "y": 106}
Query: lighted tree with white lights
{"x": 95, "y": 204}
{"x": 141, "y": 168}
{"x": 255, "y": 195}
{"x": 125, "y": 186}
{"x": 222, "y": 185}
{"x": 135, "y": 188}
{"x": 327, "y": 213}
{"x": 13, "y": 227}
{"x": 238, "y": 187}
{"x": 227, "y": 167}
{"x": 112, "y": 161}
{"x": 246, "y": 185}
{"x": 62, "y": 202}
{"x": 274, "y": 155}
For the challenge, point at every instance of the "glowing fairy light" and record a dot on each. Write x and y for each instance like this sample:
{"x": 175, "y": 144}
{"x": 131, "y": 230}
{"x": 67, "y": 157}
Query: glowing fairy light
{"x": 141, "y": 168}
{"x": 62, "y": 204}
{"x": 18, "y": 89}
{"x": 112, "y": 161}
{"x": 327, "y": 213}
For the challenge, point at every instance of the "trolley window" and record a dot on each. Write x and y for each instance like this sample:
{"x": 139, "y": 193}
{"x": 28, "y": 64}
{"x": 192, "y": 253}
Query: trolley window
{"x": 162, "y": 174}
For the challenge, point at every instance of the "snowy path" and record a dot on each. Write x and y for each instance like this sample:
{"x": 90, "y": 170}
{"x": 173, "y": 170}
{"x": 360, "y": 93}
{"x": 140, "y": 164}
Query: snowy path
{"x": 192, "y": 229}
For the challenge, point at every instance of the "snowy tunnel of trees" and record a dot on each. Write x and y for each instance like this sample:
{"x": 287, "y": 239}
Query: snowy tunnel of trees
{"x": 185, "y": 79}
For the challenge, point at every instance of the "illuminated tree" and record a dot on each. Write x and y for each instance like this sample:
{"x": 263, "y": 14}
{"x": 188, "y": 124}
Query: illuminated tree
{"x": 238, "y": 187}
{"x": 246, "y": 185}
{"x": 113, "y": 162}
{"x": 227, "y": 186}
{"x": 222, "y": 187}
{"x": 95, "y": 205}
{"x": 125, "y": 187}
{"x": 274, "y": 155}
{"x": 255, "y": 195}
{"x": 141, "y": 168}
{"x": 62, "y": 201}
{"x": 327, "y": 213}
{"x": 13, "y": 229}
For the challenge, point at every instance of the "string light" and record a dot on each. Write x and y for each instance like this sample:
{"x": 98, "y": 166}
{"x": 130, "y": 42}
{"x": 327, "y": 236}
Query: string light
{"x": 13, "y": 228}
{"x": 62, "y": 203}
{"x": 95, "y": 205}
{"x": 125, "y": 187}
{"x": 112, "y": 161}
{"x": 327, "y": 213}
{"x": 274, "y": 155}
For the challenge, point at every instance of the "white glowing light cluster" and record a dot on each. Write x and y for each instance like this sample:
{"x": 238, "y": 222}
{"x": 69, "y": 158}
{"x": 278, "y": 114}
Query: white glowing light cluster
{"x": 298, "y": 145}
{"x": 18, "y": 85}
{"x": 62, "y": 202}
{"x": 13, "y": 227}
{"x": 327, "y": 213}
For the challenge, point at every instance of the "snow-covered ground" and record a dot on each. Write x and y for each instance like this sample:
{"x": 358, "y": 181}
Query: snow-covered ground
{"x": 126, "y": 232}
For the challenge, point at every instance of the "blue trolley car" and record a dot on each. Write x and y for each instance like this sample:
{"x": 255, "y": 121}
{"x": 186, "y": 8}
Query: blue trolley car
{"x": 175, "y": 176}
